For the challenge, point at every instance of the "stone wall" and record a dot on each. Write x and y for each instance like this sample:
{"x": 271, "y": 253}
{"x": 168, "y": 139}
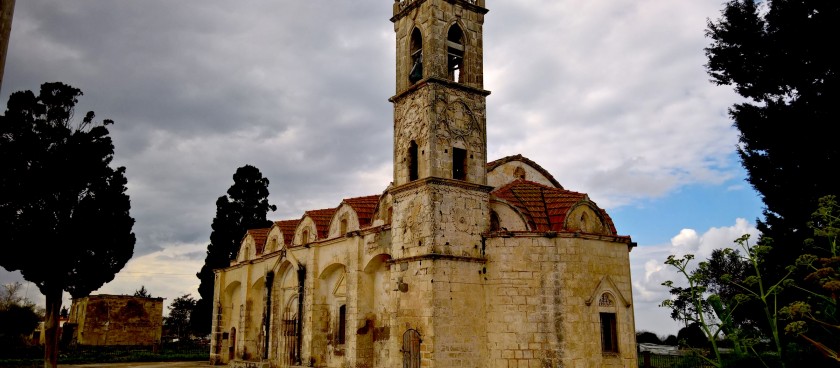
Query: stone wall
{"x": 540, "y": 309}
{"x": 522, "y": 299}
{"x": 117, "y": 320}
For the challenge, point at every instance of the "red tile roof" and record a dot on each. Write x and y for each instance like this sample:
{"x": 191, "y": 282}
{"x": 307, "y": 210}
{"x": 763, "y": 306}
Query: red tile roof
{"x": 287, "y": 228}
{"x": 259, "y": 236}
{"x": 364, "y": 207}
{"x": 494, "y": 164}
{"x": 322, "y": 220}
{"x": 544, "y": 207}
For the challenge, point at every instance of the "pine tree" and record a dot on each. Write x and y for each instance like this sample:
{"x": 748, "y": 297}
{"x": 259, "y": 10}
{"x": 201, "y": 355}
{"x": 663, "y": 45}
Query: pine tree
{"x": 64, "y": 211}
{"x": 244, "y": 207}
{"x": 780, "y": 55}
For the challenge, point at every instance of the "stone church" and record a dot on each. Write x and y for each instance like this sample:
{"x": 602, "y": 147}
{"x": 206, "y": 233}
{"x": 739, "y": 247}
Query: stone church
{"x": 459, "y": 262}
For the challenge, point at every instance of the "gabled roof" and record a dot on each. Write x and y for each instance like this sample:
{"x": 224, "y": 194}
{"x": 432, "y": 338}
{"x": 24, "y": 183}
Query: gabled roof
{"x": 494, "y": 164}
{"x": 322, "y": 220}
{"x": 259, "y": 236}
{"x": 364, "y": 207}
{"x": 544, "y": 207}
{"x": 287, "y": 228}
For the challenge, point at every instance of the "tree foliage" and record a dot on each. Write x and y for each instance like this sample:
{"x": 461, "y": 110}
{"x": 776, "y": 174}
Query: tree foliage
{"x": 18, "y": 317}
{"x": 64, "y": 210}
{"x": 178, "y": 322}
{"x": 647, "y": 337}
{"x": 780, "y": 56}
{"x": 142, "y": 292}
{"x": 244, "y": 207}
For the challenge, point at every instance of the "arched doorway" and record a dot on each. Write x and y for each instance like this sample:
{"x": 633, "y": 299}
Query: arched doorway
{"x": 411, "y": 349}
{"x": 289, "y": 333}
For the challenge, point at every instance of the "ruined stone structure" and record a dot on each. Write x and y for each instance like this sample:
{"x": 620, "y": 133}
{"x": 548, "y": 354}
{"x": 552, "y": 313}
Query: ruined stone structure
{"x": 457, "y": 263}
{"x": 116, "y": 320}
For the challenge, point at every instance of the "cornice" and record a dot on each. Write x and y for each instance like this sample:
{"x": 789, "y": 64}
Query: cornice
{"x": 436, "y": 181}
{"x": 439, "y": 81}
{"x": 400, "y": 10}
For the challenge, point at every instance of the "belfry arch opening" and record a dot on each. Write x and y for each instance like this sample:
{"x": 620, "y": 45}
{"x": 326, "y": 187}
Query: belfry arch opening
{"x": 416, "y": 53}
{"x": 455, "y": 53}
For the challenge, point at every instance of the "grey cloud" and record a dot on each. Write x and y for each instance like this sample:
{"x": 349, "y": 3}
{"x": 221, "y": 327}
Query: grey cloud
{"x": 611, "y": 98}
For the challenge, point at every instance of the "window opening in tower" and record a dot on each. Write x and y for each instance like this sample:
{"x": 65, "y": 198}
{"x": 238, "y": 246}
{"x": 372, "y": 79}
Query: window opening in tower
{"x": 416, "y": 72}
{"x": 455, "y": 52}
{"x": 459, "y": 164}
{"x": 413, "y": 173}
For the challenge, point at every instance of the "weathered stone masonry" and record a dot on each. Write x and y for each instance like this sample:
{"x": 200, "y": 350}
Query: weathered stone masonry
{"x": 116, "y": 320}
{"x": 458, "y": 263}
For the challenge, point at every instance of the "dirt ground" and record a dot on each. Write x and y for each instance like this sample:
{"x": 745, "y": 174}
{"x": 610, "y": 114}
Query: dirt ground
{"x": 140, "y": 364}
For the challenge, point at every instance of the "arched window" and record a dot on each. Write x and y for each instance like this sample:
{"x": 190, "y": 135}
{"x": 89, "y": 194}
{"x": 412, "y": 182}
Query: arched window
{"x": 304, "y": 236}
{"x": 412, "y": 161}
{"x": 494, "y": 221}
{"x": 609, "y": 328}
{"x": 455, "y": 52}
{"x": 342, "y": 227}
{"x": 416, "y": 50}
{"x": 584, "y": 218}
{"x": 519, "y": 173}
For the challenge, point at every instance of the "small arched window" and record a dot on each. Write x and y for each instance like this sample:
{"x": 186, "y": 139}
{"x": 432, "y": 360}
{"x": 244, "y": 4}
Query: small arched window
{"x": 342, "y": 228}
{"x": 584, "y": 219}
{"x": 416, "y": 50}
{"x": 304, "y": 236}
{"x": 495, "y": 225}
{"x": 609, "y": 324}
{"x": 455, "y": 52}
{"x": 412, "y": 161}
{"x": 519, "y": 173}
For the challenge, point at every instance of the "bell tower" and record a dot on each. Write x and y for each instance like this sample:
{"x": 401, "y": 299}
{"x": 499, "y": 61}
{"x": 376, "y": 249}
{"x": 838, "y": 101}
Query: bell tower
{"x": 440, "y": 197}
{"x": 439, "y": 108}
{"x": 441, "y": 200}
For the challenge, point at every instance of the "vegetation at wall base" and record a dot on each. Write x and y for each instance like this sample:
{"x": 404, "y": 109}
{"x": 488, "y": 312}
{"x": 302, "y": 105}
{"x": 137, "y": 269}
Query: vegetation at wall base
{"x": 169, "y": 352}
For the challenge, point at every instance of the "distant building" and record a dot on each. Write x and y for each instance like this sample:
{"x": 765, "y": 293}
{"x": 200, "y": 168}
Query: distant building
{"x": 458, "y": 263}
{"x": 115, "y": 320}
{"x": 38, "y": 336}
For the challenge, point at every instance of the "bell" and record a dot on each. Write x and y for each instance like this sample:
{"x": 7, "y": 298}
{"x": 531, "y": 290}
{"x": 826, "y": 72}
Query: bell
{"x": 416, "y": 72}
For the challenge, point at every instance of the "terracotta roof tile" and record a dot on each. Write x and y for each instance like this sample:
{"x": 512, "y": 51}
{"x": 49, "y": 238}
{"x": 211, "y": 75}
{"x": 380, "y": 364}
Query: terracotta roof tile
{"x": 322, "y": 220}
{"x": 494, "y": 164}
{"x": 259, "y": 236}
{"x": 544, "y": 207}
{"x": 364, "y": 207}
{"x": 287, "y": 228}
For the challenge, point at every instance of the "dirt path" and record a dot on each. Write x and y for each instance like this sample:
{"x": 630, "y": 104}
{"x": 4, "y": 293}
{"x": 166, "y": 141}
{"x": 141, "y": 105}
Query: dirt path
{"x": 198, "y": 364}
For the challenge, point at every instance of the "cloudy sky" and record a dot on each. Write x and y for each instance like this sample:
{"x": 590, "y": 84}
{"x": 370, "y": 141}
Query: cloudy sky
{"x": 611, "y": 97}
